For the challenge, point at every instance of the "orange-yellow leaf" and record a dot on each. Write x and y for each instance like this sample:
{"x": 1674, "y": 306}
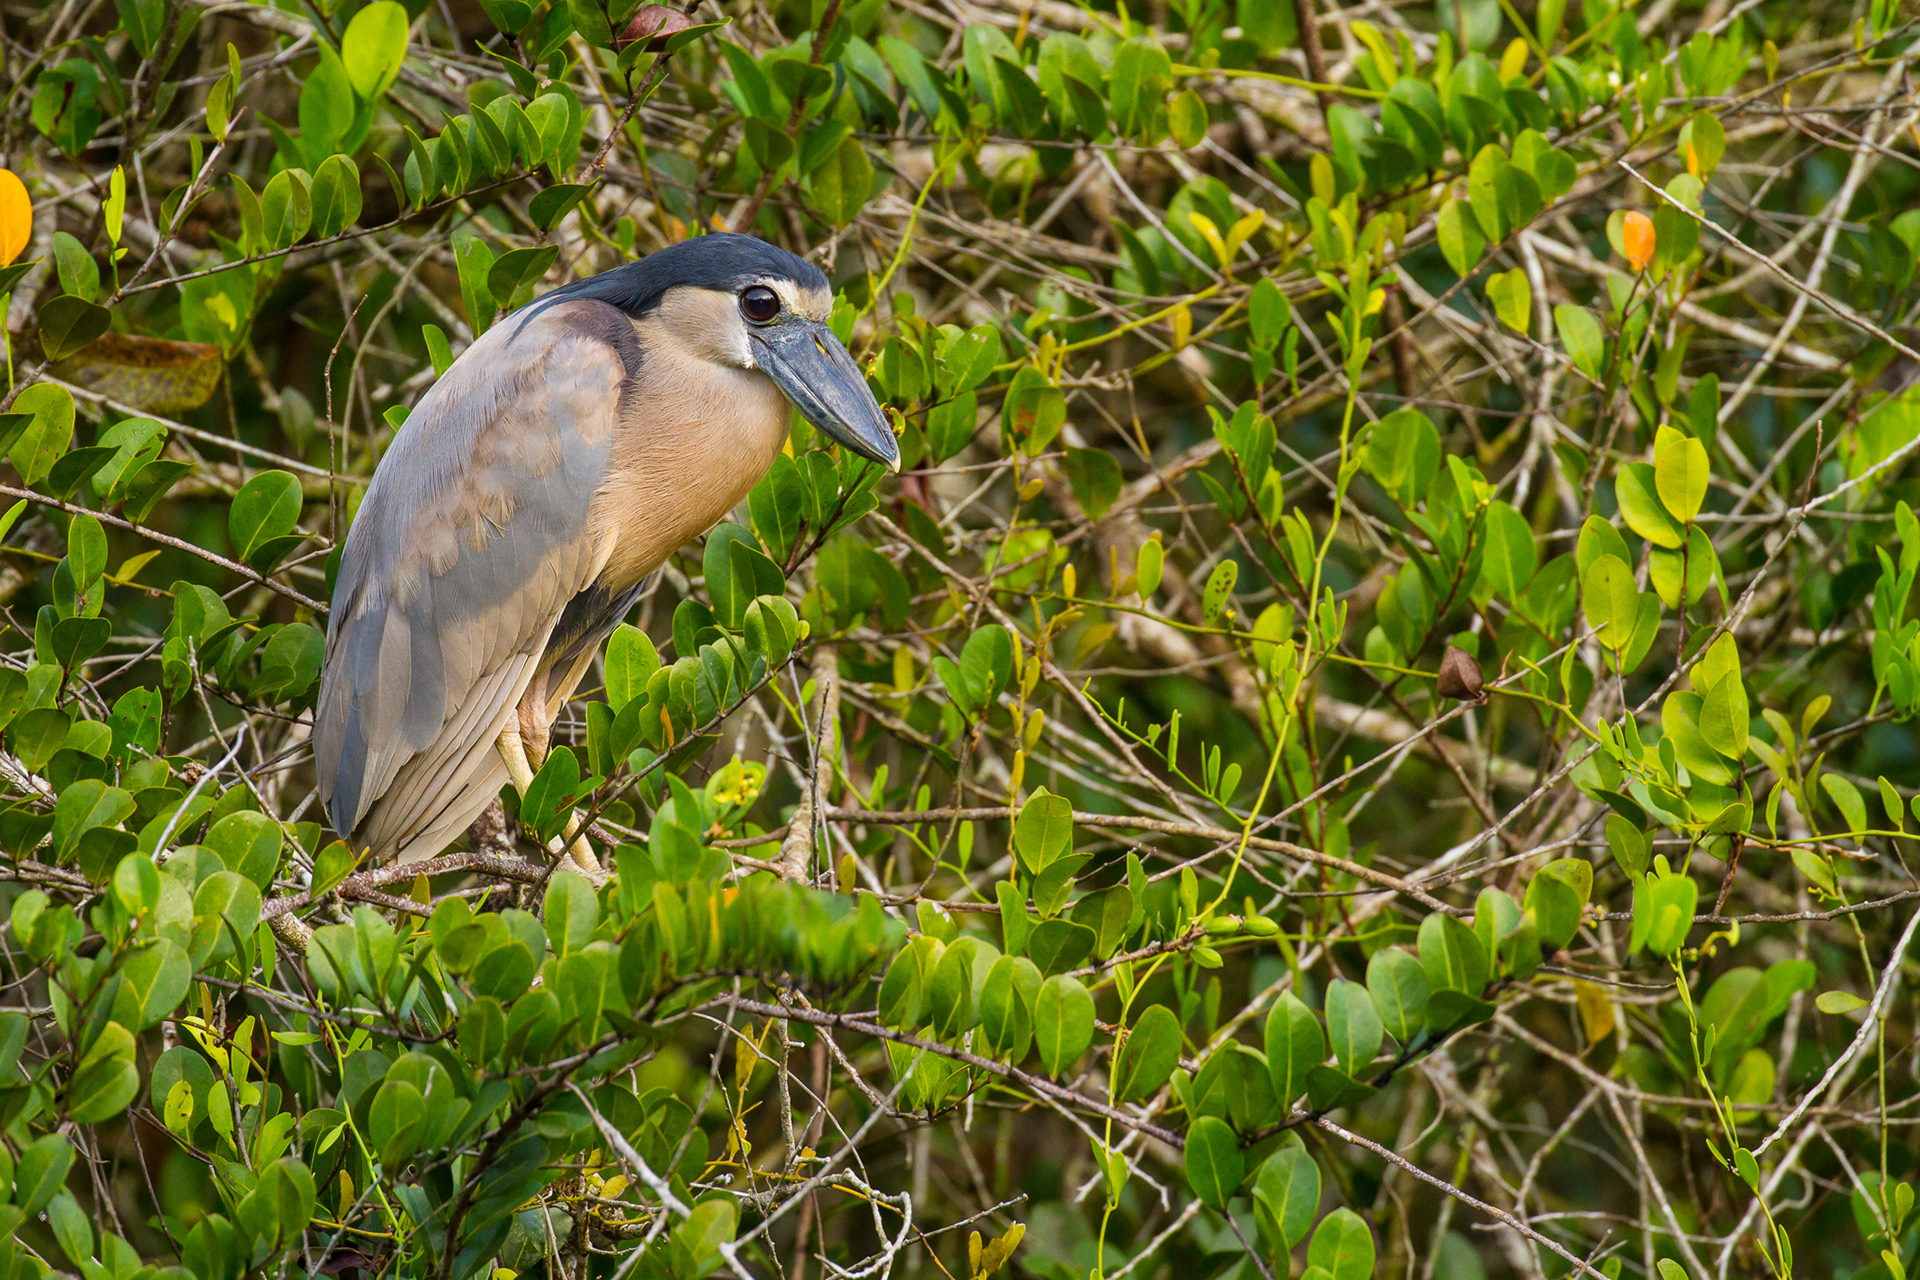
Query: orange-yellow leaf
{"x": 16, "y": 216}
{"x": 1636, "y": 239}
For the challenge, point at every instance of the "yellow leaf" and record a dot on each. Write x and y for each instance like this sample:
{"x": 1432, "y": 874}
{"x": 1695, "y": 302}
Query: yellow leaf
{"x": 1514, "y": 60}
{"x": 1210, "y": 232}
{"x": 16, "y": 216}
{"x": 130, "y": 570}
{"x": 1182, "y": 325}
{"x": 1241, "y": 231}
{"x": 1596, "y": 1010}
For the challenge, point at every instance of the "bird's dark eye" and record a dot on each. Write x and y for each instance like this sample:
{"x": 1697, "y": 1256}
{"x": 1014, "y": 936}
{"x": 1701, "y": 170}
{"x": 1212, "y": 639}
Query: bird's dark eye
{"x": 759, "y": 304}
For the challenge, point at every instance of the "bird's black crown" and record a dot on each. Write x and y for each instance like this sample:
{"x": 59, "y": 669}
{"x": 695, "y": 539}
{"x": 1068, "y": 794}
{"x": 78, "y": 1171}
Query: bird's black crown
{"x": 726, "y": 261}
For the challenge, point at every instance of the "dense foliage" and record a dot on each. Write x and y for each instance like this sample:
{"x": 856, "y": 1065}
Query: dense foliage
{"x": 1372, "y": 733}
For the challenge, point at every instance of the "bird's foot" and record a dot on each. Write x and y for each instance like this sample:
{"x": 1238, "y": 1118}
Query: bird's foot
{"x": 574, "y": 846}
{"x": 513, "y": 751}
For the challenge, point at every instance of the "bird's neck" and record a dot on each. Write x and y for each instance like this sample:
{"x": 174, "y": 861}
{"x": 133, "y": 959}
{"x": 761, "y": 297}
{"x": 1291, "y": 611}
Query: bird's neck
{"x": 705, "y": 437}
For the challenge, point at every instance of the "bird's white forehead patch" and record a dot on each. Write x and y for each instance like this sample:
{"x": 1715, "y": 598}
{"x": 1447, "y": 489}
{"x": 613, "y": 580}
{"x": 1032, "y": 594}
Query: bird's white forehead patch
{"x": 814, "y": 304}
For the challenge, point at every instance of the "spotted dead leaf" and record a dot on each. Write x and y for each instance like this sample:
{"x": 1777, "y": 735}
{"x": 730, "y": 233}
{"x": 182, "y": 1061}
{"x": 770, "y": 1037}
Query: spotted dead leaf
{"x": 155, "y": 375}
{"x": 653, "y": 23}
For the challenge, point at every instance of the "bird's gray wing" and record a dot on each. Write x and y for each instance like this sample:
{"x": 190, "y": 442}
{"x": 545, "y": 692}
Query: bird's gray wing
{"x": 475, "y": 534}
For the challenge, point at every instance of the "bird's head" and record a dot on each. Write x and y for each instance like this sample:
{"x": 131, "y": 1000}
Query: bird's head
{"x": 742, "y": 302}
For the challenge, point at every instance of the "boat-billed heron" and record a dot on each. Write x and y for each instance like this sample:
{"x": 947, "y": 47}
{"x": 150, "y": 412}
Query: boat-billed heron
{"x": 560, "y": 460}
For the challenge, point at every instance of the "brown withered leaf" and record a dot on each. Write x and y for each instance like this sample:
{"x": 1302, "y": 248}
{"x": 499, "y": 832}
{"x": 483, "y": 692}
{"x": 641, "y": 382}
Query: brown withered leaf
{"x": 153, "y": 374}
{"x": 1459, "y": 676}
{"x": 653, "y": 23}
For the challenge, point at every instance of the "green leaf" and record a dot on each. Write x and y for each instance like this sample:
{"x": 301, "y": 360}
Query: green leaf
{"x": 1403, "y": 454}
{"x": 1062, "y": 1023}
{"x": 86, "y": 551}
{"x": 1556, "y": 896}
{"x": 326, "y": 110}
{"x": 335, "y": 196}
{"x": 1295, "y": 1045}
{"x": 696, "y": 1242}
{"x": 1512, "y": 298}
{"x": 1354, "y": 1028}
{"x": 1059, "y": 945}
{"x": 1006, "y": 1005}
{"x": 374, "y": 46}
{"x": 1096, "y": 479}
{"x": 1723, "y": 719}
{"x": 1398, "y": 986}
{"x": 841, "y": 185}
{"x": 553, "y": 793}
{"x": 266, "y": 508}
{"x": 1663, "y": 906}
{"x": 79, "y": 273}
{"x": 1611, "y": 601}
{"x": 1188, "y": 118}
{"x": 547, "y": 208}
{"x": 233, "y": 900}
{"x": 69, "y": 325}
{"x": 1635, "y": 488}
{"x": 106, "y": 1079}
{"x": 518, "y": 269}
{"x": 1043, "y": 831}
{"x": 475, "y": 261}
{"x": 1287, "y": 1189}
{"x": 1461, "y": 243}
{"x": 738, "y": 572}
{"x": 157, "y": 976}
{"x": 1137, "y": 87}
{"x": 83, "y": 806}
{"x": 46, "y": 435}
{"x": 145, "y": 22}
{"x": 290, "y": 662}
{"x": 1452, "y": 955}
{"x": 1838, "y": 1002}
{"x": 1548, "y": 19}
{"x": 949, "y": 993}
{"x": 571, "y": 912}
{"x": 1511, "y": 554}
{"x": 631, "y": 661}
{"x": 1342, "y": 1246}
{"x": 1215, "y": 1163}
{"x": 1680, "y": 471}
{"x": 71, "y": 1227}
{"x": 1484, "y": 176}
{"x": 1581, "y": 335}
{"x": 1148, "y": 1057}
{"x": 41, "y": 1172}
{"x": 1846, "y": 798}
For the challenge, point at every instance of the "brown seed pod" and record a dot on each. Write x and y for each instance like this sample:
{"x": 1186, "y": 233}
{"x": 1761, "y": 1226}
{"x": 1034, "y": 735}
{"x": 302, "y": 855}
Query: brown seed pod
{"x": 1459, "y": 676}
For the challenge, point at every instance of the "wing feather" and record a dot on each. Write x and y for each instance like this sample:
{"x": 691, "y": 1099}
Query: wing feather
{"x": 473, "y": 536}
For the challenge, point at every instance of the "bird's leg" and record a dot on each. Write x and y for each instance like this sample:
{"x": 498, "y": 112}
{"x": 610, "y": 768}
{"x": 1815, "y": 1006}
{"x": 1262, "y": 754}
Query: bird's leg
{"x": 513, "y": 751}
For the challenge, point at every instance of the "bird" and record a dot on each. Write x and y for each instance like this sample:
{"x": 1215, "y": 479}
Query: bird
{"x": 510, "y": 526}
